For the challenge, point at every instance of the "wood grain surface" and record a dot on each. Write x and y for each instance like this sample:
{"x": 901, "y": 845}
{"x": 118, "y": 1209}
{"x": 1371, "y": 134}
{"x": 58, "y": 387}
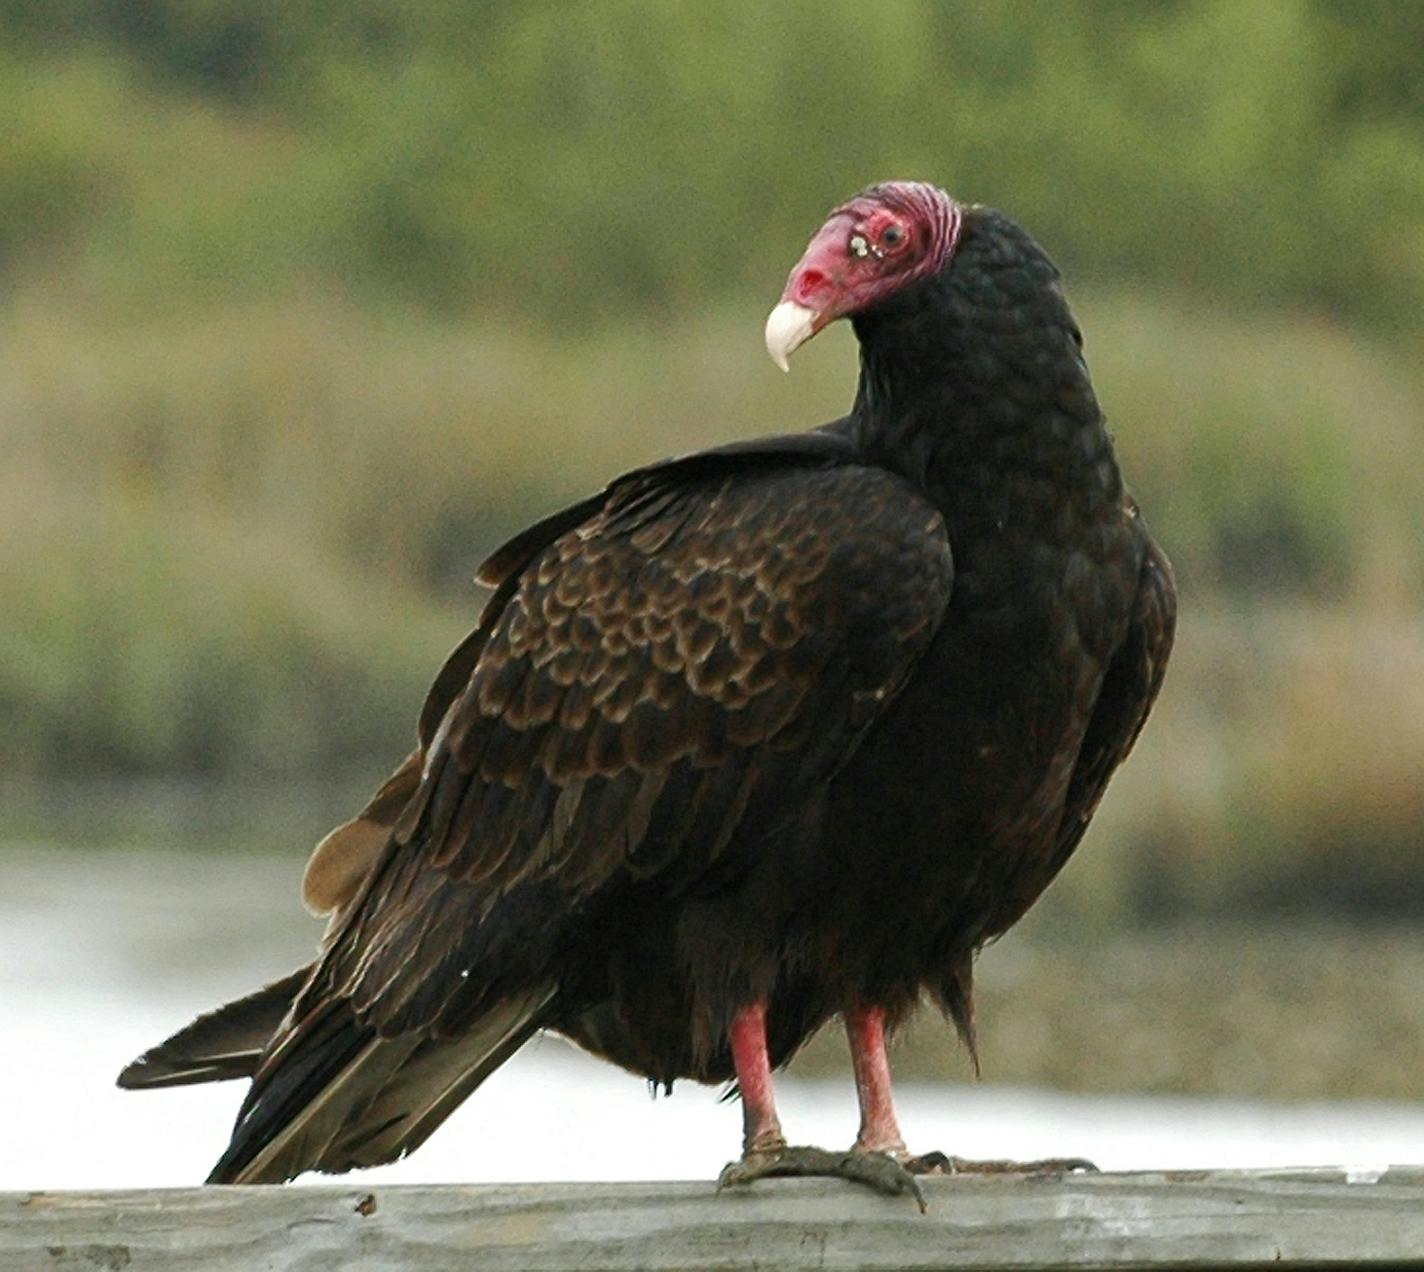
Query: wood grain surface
{"x": 1228, "y": 1219}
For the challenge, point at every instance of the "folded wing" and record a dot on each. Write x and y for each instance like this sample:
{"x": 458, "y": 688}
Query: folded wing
{"x": 651, "y": 698}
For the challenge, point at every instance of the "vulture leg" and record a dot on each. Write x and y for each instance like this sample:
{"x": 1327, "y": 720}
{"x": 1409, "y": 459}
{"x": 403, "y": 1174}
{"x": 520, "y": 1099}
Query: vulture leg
{"x": 761, "y": 1128}
{"x": 764, "y": 1148}
{"x": 880, "y": 1132}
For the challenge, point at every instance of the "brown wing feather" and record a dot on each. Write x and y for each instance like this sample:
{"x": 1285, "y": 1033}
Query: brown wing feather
{"x": 647, "y": 701}
{"x": 341, "y": 862}
{"x": 652, "y": 680}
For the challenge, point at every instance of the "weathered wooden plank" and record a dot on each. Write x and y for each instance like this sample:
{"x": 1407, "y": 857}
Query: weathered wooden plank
{"x": 1235, "y": 1220}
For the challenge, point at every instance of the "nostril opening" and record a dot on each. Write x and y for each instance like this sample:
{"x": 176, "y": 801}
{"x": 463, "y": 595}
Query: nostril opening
{"x": 811, "y": 282}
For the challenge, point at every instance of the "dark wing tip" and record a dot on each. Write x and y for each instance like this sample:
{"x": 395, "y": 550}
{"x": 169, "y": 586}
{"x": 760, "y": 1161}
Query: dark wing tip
{"x": 156, "y": 1069}
{"x": 134, "y": 1075}
{"x": 220, "y": 1044}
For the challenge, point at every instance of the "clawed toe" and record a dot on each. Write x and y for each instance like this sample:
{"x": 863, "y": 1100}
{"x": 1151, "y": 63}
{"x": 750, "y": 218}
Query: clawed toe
{"x": 879, "y": 1171}
{"x": 770, "y": 1163}
{"x": 942, "y": 1164}
{"x": 885, "y": 1174}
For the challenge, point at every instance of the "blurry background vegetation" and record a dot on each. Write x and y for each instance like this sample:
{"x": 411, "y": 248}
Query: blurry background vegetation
{"x": 303, "y": 307}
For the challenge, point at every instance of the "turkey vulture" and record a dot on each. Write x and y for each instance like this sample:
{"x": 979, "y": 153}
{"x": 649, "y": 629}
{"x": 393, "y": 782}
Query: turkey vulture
{"x": 752, "y": 738}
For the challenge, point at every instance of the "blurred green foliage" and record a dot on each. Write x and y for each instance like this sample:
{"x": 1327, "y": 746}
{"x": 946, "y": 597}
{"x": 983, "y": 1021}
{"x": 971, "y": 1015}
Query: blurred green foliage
{"x": 568, "y": 162}
{"x": 305, "y": 307}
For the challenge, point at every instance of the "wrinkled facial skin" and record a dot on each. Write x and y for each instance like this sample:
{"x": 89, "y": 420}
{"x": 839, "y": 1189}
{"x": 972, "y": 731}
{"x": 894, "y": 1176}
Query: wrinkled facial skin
{"x": 868, "y": 248}
{"x": 859, "y": 255}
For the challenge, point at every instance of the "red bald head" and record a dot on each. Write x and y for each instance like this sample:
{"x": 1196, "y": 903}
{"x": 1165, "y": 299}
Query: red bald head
{"x": 872, "y": 245}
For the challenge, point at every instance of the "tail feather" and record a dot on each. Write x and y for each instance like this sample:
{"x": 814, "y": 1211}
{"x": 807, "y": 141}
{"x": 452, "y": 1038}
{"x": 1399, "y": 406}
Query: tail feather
{"x": 337, "y": 1095}
{"x": 287, "y": 1119}
{"x": 224, "y": 1043}
{"x": 435, "y": 1081}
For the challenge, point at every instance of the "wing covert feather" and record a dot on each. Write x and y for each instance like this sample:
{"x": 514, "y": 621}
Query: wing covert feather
{"x": 686, "y": 624}
{"x": 666, "y": 681}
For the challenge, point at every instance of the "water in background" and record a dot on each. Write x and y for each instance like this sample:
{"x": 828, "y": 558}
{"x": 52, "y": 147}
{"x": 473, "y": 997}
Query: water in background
{"x": 104, "y": 953}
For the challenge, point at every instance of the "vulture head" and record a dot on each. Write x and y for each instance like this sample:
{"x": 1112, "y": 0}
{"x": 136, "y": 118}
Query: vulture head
{"x": 870, "y": 248}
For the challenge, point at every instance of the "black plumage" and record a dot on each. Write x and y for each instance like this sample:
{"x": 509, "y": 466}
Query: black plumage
{"x": 795, "y": 725}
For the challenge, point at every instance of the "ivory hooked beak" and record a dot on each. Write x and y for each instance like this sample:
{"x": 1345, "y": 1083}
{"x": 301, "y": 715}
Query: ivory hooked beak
{"x": 788, "y": 327}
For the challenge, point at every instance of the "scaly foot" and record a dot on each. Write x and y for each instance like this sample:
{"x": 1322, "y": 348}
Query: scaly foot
{"x": 940, "y": 1164}
{"x": 879, "y": 1171}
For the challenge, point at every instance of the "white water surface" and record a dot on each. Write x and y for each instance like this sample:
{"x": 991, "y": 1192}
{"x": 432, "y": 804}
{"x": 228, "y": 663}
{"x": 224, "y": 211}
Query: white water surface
{"x": 103, "y": 955}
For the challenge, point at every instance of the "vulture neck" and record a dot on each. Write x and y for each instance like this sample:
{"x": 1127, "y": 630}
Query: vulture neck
{"x": 980, "y": 397}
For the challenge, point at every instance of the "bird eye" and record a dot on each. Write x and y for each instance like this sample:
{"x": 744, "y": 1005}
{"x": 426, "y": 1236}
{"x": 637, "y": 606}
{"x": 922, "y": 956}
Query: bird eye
{"x": 893, "y": 236}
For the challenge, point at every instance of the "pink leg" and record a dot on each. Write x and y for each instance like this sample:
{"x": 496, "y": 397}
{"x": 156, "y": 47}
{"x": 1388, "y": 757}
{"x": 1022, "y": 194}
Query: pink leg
{"x": 879, "y": 1131}
{"x": 761, "y": 1127}
{"x": 765, "y": 1152}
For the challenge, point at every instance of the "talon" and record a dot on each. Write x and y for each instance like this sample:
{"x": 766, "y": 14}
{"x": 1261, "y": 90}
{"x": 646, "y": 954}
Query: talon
{"x": 733, "y": 1173}
{"x": 887, "y": 1174}
{"x": 754, "y": 1165}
